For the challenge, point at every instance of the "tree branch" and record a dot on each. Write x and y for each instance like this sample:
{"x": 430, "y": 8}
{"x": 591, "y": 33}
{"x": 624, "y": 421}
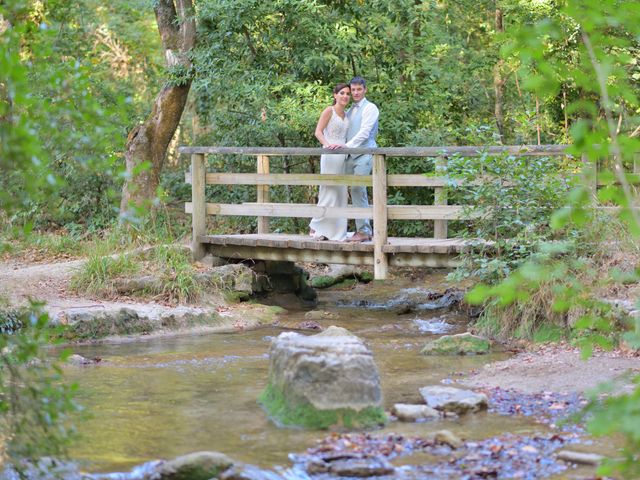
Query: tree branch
{"x": 186, "y": 14}
{"x": 606, "y": 102}
{"x": 247, "y": 36}
{"x": 166, "y": 16}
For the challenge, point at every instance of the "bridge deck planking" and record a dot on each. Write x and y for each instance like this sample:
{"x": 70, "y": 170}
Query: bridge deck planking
{"x": 302, "y": 242}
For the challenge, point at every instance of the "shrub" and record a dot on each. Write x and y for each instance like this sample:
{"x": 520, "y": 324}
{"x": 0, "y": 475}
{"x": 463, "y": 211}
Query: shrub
{"x": 35, "y": 402}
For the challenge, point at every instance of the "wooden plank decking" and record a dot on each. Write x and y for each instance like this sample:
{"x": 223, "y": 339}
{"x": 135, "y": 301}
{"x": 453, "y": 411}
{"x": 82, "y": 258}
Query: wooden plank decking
{"x": 428, "y": 252}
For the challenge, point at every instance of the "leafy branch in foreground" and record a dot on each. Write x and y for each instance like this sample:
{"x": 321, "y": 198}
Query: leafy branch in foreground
{"x": 34, "y": 400}
{"x": 604, "y": 72}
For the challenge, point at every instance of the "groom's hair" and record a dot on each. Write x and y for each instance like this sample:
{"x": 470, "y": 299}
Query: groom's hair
{"x": 357, "y": 80}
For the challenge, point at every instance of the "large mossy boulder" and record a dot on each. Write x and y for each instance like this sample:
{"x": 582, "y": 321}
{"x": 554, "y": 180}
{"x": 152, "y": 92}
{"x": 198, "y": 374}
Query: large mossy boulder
{"x": 461, "y": 344}
{"x": 323, "y": 381}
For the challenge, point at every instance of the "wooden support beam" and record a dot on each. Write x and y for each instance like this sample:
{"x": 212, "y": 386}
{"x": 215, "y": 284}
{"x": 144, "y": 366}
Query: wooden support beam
{"x": 401, "y": 251}
{"x": 263, "y": 192}
{"x": 394, "y": 245}
{"x": 291, "y": 254}
{"x": 380, "y": 264}
{"x": 282, "y": 210}
{"x": 440, "y": 198}
{"x": 199, "y": 205}
{"x": 300, "y": 210}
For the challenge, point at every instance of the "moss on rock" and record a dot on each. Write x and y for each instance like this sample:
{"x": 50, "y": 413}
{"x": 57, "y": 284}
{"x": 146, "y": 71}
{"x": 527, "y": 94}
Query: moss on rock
{"x": 323, "y": 281}
{"x": 307, "y": 416}
{"x": 462, "y": 344}
{"x": 346, "y": 284}
{"x": 365, "y": 277}
{"x": 233, "y": 296}
{"x": 91, "y": 325}
{"x": 194, "y": 466}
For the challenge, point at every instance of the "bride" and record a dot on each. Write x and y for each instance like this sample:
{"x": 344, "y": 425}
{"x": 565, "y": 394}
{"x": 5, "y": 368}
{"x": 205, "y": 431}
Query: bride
{"x": 331, "y": 131}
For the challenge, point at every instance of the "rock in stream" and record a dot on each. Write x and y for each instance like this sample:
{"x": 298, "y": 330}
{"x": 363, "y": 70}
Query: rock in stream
{"x": 323, "y": 380}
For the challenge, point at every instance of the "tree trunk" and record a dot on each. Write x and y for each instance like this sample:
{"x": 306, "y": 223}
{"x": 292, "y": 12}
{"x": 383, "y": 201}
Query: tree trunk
{"x": 498, "y": 82}
{"x": 148, "y": 142}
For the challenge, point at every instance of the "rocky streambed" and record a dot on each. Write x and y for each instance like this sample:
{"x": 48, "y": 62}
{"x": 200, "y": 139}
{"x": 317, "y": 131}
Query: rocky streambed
{"x": 166, "y": 397}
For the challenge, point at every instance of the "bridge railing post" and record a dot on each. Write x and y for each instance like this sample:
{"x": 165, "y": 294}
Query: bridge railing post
{"x": 440, "y": 198}
{"x": 590, "y": 175}
{"x": 263, "y": 193}
{"x": 379, "y": 181}
{"x": 636, "y": 172}
{"x": 199, "y": 203}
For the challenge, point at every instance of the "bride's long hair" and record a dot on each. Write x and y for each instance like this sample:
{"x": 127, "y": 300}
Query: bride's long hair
{"x": 337, "y": 88}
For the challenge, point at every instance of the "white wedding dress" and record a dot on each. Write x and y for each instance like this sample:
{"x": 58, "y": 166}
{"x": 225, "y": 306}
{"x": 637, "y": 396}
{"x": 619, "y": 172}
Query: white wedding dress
{"x": 331, "y": 196}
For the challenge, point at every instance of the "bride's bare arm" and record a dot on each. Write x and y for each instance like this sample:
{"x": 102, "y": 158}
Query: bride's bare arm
{"x": 323, "y": 121}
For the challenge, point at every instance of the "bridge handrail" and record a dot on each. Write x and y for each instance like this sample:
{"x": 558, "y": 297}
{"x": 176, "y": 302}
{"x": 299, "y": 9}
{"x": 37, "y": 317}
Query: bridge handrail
{"x": 444, "y": 151}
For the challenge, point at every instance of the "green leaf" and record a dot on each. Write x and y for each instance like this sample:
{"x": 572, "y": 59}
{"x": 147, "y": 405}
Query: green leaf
{"x": 478, "y": 295}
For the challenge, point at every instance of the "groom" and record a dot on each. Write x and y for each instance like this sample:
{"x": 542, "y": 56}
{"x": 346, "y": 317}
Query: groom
{"x": 363, "y": 128}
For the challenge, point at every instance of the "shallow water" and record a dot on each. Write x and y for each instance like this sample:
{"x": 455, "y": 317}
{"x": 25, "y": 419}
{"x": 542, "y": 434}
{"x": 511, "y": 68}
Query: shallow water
{"x": 164, "y": 397}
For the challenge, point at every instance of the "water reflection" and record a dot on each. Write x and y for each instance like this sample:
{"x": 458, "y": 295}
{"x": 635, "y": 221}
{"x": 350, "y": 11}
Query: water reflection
{"x": 165, "y": 397}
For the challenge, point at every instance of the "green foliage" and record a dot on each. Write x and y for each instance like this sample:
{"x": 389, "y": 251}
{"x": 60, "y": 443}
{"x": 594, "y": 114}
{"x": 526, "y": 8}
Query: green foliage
{"x": 34, "y": 401}
{"x": 559, "y": 287}
{"x": 426, "y": 69}
{"x": 609, "y": 414}
{"x": 71, "y": 88}
{"x": 514, "y": 202}
{"x": 548, "y": 333}
{"x": 599, "y": 78}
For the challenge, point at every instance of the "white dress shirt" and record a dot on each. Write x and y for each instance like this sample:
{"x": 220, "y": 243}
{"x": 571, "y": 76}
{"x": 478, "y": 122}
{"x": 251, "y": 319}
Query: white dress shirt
{"x": 369, "y": 117}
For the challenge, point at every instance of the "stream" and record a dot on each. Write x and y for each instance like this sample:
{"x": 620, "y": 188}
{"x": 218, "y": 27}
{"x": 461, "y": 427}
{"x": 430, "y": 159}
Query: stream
{"x": 164, "y": 397}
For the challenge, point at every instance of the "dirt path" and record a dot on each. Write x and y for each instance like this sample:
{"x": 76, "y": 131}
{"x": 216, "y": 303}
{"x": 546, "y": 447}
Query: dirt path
{"x": 50, "y": 283}
{"x": 46, "y": 281}
{"x": 556, "y": 368}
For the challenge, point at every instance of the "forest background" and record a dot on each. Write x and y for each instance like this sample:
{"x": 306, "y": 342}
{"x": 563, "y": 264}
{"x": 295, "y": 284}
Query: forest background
{"x": 262, "y": 73}
{"x": 76, "y": 78}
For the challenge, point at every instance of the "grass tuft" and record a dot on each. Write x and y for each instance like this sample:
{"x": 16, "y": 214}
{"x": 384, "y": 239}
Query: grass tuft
{"x": 174, "y": 278}
{"x": 179, "y": 281}
{"x": 97, "y": 275}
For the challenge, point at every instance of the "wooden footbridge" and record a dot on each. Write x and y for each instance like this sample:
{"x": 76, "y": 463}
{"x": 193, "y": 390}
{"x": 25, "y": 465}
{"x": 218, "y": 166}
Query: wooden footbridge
{"x": 381, "y": 252}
